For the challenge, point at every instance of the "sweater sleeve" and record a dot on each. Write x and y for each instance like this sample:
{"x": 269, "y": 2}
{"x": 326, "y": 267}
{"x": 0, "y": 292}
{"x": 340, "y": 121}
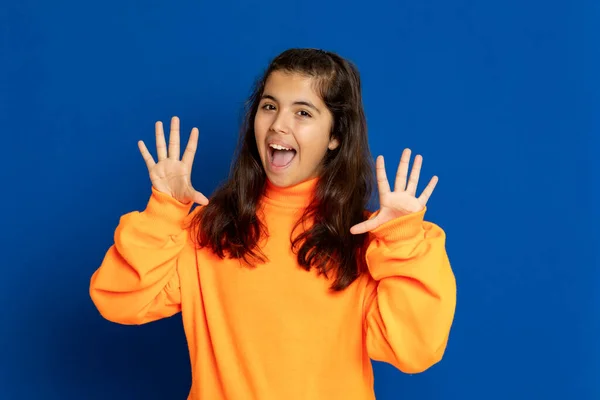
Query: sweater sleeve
{"x": 411, "y": 296}
{"x": 137, "y": 281}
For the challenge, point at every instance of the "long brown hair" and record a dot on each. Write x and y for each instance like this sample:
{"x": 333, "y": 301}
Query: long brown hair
{"x": 229, "y": 224}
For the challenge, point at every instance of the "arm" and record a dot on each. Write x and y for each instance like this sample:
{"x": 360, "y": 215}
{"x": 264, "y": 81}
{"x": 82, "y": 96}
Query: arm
{"x": 138, "y": 281}
{"x": 411, "y": 299}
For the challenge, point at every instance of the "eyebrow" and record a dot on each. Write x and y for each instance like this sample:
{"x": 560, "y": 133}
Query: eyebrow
{"x": 298, "y": 102}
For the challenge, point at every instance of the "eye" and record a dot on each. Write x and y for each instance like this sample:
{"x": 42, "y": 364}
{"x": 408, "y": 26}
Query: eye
{"x": 268, "y": 107}
{"x": 305, "y": 114}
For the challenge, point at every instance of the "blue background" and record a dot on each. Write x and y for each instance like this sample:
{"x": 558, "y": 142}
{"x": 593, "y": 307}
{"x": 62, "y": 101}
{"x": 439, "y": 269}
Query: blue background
{"x": 500, "y": 97}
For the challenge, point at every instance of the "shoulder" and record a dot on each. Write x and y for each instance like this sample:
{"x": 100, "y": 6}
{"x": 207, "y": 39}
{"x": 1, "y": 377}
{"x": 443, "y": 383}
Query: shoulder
{"x": 191, "y": 223}
{"x": 192, "y": 215}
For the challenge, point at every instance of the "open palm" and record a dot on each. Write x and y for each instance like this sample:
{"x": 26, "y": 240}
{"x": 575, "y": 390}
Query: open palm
{"x": 170, "y": 175}
{"x": 402, "y": 201}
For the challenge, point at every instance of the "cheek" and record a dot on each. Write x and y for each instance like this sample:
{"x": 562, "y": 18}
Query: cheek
{"x": 314, "y": 146}
{"x": 259, "y": 132}
{"x": 261, "y": 125}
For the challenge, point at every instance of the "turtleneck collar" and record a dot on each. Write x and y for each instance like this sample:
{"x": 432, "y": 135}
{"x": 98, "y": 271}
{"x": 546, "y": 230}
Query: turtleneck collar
{"x": 296, "y": 196}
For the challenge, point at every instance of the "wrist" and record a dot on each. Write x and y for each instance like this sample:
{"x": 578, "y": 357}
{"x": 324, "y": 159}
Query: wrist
{"x": 163, "y": 206}
{"x": 404, "y": 227}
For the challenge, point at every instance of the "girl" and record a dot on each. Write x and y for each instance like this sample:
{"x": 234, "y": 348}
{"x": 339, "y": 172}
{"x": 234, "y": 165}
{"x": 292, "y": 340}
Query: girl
{"x": 287, "y": 286}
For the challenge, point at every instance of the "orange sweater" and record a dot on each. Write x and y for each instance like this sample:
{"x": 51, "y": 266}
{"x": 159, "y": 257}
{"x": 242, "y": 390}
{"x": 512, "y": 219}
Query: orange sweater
{"x": 275, "y": 332}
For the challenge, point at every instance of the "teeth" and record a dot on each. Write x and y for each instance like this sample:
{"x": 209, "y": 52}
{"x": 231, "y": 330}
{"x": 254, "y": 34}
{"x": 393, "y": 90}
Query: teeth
{"x": 279, "y": 147}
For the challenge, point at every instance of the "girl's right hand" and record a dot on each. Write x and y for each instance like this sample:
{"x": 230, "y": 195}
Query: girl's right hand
{"x": 170, "y": 175}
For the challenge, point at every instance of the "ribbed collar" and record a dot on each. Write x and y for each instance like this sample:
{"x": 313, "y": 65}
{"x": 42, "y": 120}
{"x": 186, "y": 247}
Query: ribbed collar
{"x": 297, "y": 196}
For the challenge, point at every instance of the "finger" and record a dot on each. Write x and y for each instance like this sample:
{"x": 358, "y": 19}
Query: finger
{"x": 174, "y": 139}
{"x": 200, "y": 198}
{"x": 146, "y": 154}
{"x": 365, "y": 226}
{"x": 161, "y": 145}
{"x": 413, "y": 181}
{"x": 402, "y": 173}
{"x": 382, "y": 181}
{"x": 424, "y": 197}
{"x": 190, "y": 149}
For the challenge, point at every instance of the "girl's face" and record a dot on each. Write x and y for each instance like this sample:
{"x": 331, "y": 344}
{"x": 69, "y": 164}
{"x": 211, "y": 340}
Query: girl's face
{"x": 292, "y": 129}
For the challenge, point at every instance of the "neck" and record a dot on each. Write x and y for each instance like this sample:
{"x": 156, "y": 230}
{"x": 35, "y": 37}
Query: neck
{"x": 296, "y": 196}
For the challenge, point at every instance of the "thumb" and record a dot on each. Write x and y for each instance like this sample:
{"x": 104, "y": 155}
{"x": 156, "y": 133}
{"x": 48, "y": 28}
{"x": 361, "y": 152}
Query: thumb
{"x": 199, "y": 197}
{"x": 365, "y": 226}
{"x": 372, "y": 222}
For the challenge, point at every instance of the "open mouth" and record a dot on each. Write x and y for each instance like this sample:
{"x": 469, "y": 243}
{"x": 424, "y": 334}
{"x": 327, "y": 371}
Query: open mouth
{"x": 281, "y": 156}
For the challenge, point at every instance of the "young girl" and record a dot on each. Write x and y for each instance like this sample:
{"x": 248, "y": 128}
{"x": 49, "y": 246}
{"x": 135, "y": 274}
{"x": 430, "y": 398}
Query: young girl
{"x": 287, "y": 286}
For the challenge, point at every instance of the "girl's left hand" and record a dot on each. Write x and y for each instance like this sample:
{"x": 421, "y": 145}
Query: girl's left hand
{"x": 402, "y": 200}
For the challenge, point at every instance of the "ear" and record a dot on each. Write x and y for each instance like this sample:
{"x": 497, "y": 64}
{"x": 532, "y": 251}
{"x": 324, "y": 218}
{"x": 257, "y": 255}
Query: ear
{"x": 333, "y": 143}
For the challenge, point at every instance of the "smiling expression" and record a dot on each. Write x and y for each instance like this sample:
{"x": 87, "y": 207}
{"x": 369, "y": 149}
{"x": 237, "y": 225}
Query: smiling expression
{"x": 292, "y": 128}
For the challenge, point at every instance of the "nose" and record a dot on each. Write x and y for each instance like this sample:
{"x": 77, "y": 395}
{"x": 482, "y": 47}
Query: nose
{"x": 280, "y": 123}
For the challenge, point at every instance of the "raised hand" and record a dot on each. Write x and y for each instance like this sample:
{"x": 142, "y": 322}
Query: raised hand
{"x": 402, "y": 200}
{"x": 170, "y": 175}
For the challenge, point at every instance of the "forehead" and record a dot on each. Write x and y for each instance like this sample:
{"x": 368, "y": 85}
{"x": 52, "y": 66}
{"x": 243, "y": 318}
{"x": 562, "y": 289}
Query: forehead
{"x": 288, "y": 86}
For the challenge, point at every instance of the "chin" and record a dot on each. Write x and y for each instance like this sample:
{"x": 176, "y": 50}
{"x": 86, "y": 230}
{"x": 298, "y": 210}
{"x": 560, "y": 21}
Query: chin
{"x": 282, "y": 181}
{"x": 285, "y": 181}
